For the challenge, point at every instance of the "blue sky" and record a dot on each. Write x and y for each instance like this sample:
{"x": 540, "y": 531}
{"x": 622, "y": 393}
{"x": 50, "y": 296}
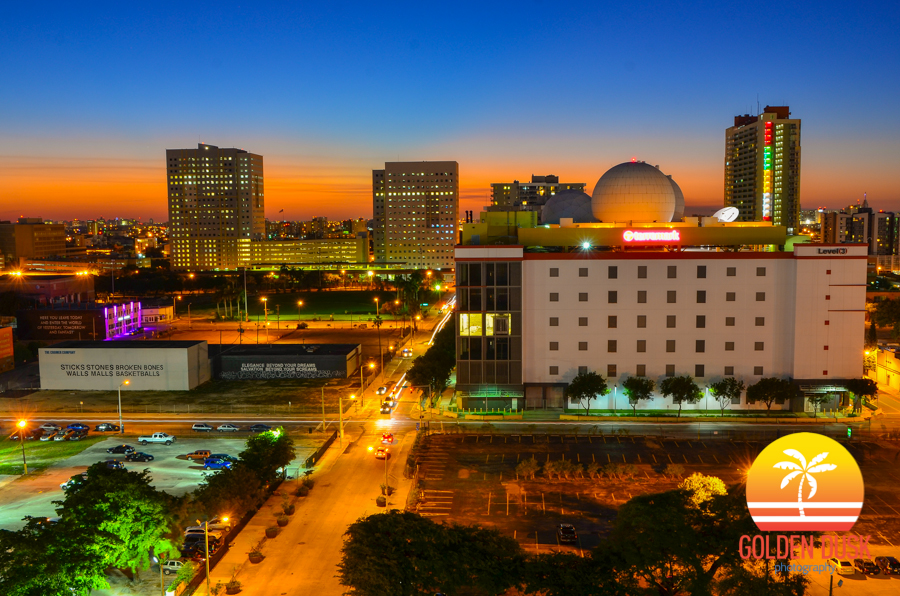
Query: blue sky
{"x": 94, "y": 94}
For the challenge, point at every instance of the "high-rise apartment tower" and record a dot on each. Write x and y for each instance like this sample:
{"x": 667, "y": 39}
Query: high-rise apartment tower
{"x": 416, "y": 205}
{"x": 762, "y": 167}
{"x": 216, "y": 206}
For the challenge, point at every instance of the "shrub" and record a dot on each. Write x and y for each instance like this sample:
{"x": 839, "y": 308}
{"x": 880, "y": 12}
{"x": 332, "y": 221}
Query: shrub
{"x": 592, "y": 469}
{"x": 630, "y": 470}
{"x": 527, "y": 468}
{"x": 302, "y": 491}
{"x": 308, "y": 482}
{"x": 675, "y": 470}
{"x": 612, "y": 470}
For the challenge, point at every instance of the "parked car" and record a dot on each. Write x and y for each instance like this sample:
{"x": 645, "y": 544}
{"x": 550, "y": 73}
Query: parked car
{"x": 866, "y": 566}
{"x": 198, "y": 454}
{"x": 382, "y": 453}
{"x": 888, "y": 565}
{"x": 842, "y": 567}
{"x": 64, "y": 435}
{"x": 138, "y": 456}
{"x": 198, "y": 538}
{"x": 48, "y": 435}
{"x": 566, "y": 533}
{"x": 387, "y": 438}
{"x": 76, "y": 479}
{"x": 381, "y": 390}
{"x": 224, "y": 456}
{"x": 78, "y": 426}
{"x": 216, "y": 523}
{"x": 49, "y": 426}
{"x": 216, "y": 464}
{"x": 78, "y": 435}
{"x": 260, "y": 428}
{"x": 120, "y": 450}
{"x": 106, "y": 427}
{"x": 171, "y": 566}
{"x": 201, "y": 427}
{"x": 213, "y": 534}
{"x": 228, "y": 428}
{"x": 29, "y": 434}
{"x": 114, "y": 464}
{"x": 164, "y": 438}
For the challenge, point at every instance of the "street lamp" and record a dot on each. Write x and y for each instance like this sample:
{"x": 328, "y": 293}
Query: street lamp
{"x": 161, "y": 558}
{"x": 378, "y": 327}
{"x": 22, "y": 424}
{"x": 126, "y": 382}
{"x": 265, "y": 302}
{"x": 299, "y": 306}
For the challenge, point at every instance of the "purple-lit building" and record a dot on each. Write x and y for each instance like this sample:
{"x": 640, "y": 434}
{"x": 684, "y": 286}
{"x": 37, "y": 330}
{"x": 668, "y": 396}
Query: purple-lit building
{"x": 95, "y": 322}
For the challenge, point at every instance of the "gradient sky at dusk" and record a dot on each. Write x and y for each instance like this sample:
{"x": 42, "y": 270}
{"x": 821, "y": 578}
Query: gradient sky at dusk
{"x": 93, "y": 95}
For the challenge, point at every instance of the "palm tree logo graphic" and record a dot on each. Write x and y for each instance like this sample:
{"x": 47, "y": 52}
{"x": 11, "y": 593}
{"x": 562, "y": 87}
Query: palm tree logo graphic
{"x": 805, "y": 472}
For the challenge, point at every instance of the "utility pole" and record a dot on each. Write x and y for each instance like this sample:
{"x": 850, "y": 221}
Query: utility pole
{"x": 341, "y": 417}
{"x": 323, "y": 408}
{"x": 246, "y": 307}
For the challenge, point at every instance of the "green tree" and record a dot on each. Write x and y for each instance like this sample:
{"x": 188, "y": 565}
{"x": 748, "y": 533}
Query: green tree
{"x": 726, "y": 391}
{"x": 637, "y": 389}
{"x": 702, "y": 488}
{"x": 425, "y": 558}
{"x": 231, "y": 492}
{"x": 871, "y": 336}
{"x": 769, "y": 390}
{"x": 436, "y": 364}
{"x": 818, "y": 400}
{"x": 681, "y": 389}
{"x": 861, "y": 388}
{"x": 122, "y": 513}
{"x": 585, "y": 387}
{"x": 57, "y": 561}
{"x": 266, "y": 453}
{"x": 887, "y": 312}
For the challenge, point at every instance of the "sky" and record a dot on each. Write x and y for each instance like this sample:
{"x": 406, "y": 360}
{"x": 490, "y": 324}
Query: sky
{"x": 92, "y": 94}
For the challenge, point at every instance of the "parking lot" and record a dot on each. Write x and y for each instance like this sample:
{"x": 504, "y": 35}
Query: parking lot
{"x": 471, "y": 478}
{"x": 33, "y": 495}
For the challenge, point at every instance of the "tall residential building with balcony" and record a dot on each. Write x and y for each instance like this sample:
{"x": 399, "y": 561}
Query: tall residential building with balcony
{"x": 528, "y": 196}
{"x": 762, "y": 167}
{"x": 216, "y": 206}
{"x": 415, "y": 206}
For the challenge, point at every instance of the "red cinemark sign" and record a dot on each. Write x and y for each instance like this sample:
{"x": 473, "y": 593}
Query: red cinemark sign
{"x": 651, "y": 236}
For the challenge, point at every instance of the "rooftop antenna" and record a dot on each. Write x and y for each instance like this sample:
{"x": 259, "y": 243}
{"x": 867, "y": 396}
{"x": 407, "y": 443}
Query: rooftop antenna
{"x": 757, "y": 104}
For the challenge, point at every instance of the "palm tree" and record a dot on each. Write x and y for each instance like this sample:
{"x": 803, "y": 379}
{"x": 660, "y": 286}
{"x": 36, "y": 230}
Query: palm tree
{"x": 804, "y": 471}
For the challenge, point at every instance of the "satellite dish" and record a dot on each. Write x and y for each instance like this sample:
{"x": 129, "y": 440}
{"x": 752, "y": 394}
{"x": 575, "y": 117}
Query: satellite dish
{"x": 727, "y": 215}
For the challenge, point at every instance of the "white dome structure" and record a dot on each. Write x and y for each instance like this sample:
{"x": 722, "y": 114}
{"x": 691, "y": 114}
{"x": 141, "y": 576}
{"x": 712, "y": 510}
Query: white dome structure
{"x": 570, "y": 203}
{"x": 633, "y": 191}
{"x": 679, "y": 201}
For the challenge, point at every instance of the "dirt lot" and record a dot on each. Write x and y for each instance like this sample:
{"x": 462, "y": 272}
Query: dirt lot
{"x": 468, "y": 479}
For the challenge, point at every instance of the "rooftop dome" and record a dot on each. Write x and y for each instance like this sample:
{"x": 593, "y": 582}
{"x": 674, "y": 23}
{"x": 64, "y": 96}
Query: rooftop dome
{"x": 633, "y": 191}
{"x": 570, "y": 203}
{"x": 679, "y": 201}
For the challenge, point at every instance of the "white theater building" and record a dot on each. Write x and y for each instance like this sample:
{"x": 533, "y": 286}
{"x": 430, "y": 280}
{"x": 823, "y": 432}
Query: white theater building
{"x": 704, "y": 298}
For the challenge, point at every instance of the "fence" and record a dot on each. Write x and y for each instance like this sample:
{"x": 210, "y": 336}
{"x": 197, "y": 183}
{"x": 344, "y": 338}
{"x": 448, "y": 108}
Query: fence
{"x": 312, "y": 459}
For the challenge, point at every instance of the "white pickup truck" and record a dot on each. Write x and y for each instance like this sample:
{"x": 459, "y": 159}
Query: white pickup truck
{"x": 164, "y": 438}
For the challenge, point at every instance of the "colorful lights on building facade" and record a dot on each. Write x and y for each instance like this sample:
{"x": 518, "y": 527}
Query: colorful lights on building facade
{"x": 767, "y": 173}
{"x": 122, "y": 319}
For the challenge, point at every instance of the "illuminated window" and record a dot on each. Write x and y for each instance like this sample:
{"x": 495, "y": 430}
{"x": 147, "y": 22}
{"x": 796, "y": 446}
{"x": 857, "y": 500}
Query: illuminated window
{"x": 470, "y": 324}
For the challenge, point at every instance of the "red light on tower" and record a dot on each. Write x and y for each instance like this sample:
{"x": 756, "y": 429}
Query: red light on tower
{"x": 633, "y": 160}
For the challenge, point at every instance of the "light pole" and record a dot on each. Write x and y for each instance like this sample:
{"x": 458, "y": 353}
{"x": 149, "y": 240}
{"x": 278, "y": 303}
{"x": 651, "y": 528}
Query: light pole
{"x": 190, "y": 323}
{"x": 341, "y": 417}
{"x": 371, "y": 275}
{"x": 415, "y": 328}
{"x": 265, "y": 302}
{"x": 22, "y": 424}
{"x": 160, "y": 558}
{"x": 378, "y": 327}
{"x": 299, "y": 306}
{"x": 126, "y": 382}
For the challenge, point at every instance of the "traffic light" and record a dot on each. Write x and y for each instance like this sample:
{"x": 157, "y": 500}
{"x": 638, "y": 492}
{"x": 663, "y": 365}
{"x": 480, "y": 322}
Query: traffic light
{"x": 849, "y": 432}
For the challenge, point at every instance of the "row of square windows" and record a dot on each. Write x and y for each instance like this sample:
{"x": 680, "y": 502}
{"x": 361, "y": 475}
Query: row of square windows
{"x": 612, "y": 296}
{"x": 612, "y": 321}
{"x": 671, "y": 271}
{"x": 641, "y": 370}
{"x": 612, "y": 345}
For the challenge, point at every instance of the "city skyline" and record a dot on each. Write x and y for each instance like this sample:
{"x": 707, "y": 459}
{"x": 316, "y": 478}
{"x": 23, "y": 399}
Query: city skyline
{"x": 599, "y": 86}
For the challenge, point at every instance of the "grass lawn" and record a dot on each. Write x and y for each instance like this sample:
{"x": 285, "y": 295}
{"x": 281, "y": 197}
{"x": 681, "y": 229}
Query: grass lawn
{"x": 40, "y": 455}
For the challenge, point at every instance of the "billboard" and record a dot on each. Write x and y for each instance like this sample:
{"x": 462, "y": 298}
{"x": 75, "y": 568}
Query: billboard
{"x": 58, "y": 325}
{"x": 159, "y": 366}
{"x": 283, "y": 367}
